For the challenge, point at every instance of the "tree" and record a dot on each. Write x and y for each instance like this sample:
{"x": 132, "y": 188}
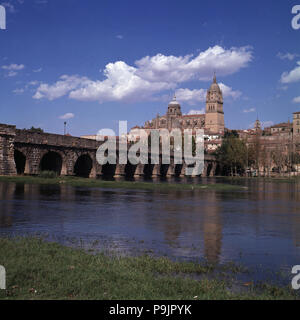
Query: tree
{"x": 36, "y": 130}
{"x": 232, "y": 155}
{"x": 232, "y": 133}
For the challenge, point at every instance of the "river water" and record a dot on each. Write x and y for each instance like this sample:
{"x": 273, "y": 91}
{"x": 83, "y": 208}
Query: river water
{"x": 257, "y": 226}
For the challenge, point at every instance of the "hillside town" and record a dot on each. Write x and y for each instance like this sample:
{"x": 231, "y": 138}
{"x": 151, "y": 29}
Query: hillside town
{"x": 272, "y": 150}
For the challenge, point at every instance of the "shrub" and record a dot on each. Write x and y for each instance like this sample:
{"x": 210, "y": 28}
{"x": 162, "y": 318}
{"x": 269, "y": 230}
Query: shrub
{"x": 48, "y": 174}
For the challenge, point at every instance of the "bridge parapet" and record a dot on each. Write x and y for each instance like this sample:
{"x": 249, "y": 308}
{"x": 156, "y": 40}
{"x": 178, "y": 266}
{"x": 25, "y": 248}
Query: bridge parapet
{"x": 50, "y": 139}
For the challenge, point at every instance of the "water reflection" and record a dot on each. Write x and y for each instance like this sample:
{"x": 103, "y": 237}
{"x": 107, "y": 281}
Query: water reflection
{"x": 258, "y": 225}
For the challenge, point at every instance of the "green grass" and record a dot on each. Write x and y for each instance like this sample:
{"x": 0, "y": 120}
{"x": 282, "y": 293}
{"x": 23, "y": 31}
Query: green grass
{"x": 42, "y": 270}
{"x": 83, "y": 182}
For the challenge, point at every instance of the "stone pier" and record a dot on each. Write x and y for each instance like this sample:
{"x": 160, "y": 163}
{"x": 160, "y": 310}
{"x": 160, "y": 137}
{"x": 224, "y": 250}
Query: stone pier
{"x": 7, "y": 141}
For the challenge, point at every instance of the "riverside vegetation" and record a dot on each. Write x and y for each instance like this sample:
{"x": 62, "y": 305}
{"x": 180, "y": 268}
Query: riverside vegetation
{"x": 51, "y": 178}
{"x": 43, "y": 270}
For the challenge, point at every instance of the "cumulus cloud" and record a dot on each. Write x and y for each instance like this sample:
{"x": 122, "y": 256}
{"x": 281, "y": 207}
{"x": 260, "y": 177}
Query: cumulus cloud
{"x": 60, "y": 88}
{"x": 201, "y": 67}
{"x": 249, "y": 110}
{"x": 150, "y": 76}
{"x": 228, "y": 92}
{"x": 191, "y": 96}
{"x": 292, "y": 76}
{"x": 67, "y": 116}
{"x": 296, "y": 100}
{"x": 119, "y": 36}
{"x": 287, "y": 56}
{"x": 14, "y": 67}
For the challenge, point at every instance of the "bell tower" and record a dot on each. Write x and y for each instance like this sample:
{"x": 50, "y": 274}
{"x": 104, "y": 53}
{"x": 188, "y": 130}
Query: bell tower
{"x": 214, "y": 115}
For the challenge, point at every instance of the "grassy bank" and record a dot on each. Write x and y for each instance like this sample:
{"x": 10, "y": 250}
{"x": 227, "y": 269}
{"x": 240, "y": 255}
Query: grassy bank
{"x": 82, "y": 182}
{"x": 41, "y": 270}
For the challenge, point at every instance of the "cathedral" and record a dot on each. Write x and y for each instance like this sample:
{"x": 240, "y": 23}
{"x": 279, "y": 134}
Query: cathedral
{"x": 212, "y": 121}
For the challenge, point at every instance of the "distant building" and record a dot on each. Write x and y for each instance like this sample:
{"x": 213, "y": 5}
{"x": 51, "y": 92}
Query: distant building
{"x": 296, "y": 124}
{"x": 281, "y": 128}
{"x": 212, "y": 121}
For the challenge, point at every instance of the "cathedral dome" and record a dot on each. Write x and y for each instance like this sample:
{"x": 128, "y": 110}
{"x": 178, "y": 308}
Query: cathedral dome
{"x": 174, "y": 103}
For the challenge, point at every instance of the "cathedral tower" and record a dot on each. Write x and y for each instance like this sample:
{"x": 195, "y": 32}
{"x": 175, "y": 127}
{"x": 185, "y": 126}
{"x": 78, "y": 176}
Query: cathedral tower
{"x": 214, "y": 117}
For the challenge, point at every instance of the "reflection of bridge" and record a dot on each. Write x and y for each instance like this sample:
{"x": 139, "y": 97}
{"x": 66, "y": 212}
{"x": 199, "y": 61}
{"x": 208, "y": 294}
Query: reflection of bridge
{"x": 26, "y": 152}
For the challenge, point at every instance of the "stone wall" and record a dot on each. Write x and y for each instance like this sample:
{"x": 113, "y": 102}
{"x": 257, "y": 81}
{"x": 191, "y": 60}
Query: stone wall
{"x": 7, "y": 138}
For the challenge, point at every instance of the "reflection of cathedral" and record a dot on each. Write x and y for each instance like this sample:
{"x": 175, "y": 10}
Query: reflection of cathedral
{"x": 212, "y": 121}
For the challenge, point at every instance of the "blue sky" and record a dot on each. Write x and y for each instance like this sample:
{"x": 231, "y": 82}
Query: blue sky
{"x": 96, "y": 62}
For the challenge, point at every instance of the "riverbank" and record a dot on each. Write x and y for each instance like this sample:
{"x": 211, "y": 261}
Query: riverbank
{"x": 137, "y": 185}
{"x": 283, "y": 179}
{"x": 42, "y": 270}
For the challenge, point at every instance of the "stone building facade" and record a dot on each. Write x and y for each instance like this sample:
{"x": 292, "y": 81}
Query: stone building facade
{"x": 212, "y": 121}
{"x": 296, "y": 124}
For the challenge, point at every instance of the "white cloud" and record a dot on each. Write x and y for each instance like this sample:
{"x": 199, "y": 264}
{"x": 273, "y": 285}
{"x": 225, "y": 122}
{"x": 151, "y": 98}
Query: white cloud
{"x": 14, "y": 67}
{"x": 150, "y": 76}
{"x": 296, "y": 100}
{"x": 121, "y": 84}
{"x": 287, "y": 56}
{"x": 292, "y": 76}
{"x": 18, "y": 91}
{"x": 228, "y": 92}
{"x": 119, "y": 36}
{"x": 12, "y": 73}
{"x": 194, "y": 112}
{"x": 67, "y": 116}
{"x": 180, "y": 69}
{"x": 37, "y": 70}
{"x": 249, "y": 110}
{"x": 60, "y": 88}
{"x": 191, "y": 96}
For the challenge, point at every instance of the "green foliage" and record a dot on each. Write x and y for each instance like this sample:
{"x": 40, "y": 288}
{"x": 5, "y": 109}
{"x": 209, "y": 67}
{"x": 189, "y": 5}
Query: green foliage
{"x": 36, "y": 130}
{"x": 133, "y": 185}
{"x": 232, "y": 155}
{"x": 48, "y": 174}
{"x": 231, "y": 134}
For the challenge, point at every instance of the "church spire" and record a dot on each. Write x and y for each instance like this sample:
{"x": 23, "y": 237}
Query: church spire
{"x": 215, "y": 77}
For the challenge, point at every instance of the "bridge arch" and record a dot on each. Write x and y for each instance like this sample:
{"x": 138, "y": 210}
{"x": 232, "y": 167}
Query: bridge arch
{"x": 83, "y": 166}
{"x": 51, "y": 161}
{"x": 20, "y": 161}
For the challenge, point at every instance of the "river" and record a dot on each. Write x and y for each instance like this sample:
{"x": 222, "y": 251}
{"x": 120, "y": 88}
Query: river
{"x": 257, "y": 226}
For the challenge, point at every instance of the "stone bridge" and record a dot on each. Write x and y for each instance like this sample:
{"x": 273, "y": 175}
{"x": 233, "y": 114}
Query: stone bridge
{"x": 29, "y": 153}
